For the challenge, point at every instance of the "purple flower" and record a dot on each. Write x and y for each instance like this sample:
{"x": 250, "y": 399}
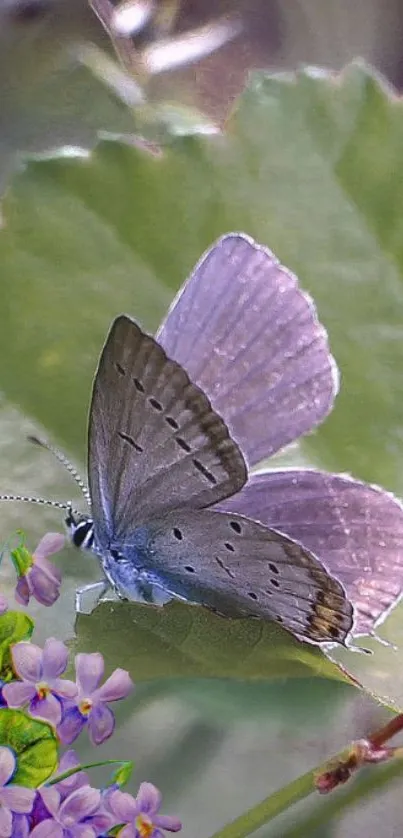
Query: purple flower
{"x": 75, "y": 816}
{"x": 14, "y": 800}
{"x": 140, "y": 814}
{"x": 40, "y": 684}
{"x": 65, "y": 787}
{"x": 3, "y": 604}
{"x": 42, "y": 578}
{"x": 90, "y": 705}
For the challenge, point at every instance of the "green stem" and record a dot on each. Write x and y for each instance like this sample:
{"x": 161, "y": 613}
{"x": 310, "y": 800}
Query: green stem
{"x": 336, "y": 805}
{"x": 86, "y": 767}
{"x": 269, "y": 808}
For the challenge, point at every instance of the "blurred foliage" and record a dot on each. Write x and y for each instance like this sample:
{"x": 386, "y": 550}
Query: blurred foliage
{"x": 310, "y": 167}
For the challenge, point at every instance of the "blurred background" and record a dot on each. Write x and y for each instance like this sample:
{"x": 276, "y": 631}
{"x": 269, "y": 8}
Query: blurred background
{"x": 213, "y": 747}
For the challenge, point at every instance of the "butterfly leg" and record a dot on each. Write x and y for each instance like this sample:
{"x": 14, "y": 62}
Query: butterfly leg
{"x": 88, "y": 597}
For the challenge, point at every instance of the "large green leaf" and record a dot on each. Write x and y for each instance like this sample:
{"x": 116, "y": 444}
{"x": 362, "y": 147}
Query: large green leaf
{"x": 308, "y": 167}
{"x": 34, "y": 744}
{"x": 14, "y": 627}
{"x": 181, "y": 641}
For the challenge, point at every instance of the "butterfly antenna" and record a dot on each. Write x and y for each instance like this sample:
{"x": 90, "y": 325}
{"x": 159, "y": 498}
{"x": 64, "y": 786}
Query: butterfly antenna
{"x": 43, "y": 501}
{"x": 66, "y": 463}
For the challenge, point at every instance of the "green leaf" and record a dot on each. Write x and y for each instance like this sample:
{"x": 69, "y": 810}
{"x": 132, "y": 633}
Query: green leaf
{"x": 34, "y": 744}
{"x": 14, "y": 627}
{"x": 309, "y": 168}
{"x": 22, "y": 560}
{"x": 180, "y": 641}
{"x": 123, "y": 774}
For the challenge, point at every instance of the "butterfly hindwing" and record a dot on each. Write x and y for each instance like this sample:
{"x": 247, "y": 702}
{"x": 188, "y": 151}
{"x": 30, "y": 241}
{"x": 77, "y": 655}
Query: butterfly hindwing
{"x": 354, "y": 528}
{"x": 239, "y": 567}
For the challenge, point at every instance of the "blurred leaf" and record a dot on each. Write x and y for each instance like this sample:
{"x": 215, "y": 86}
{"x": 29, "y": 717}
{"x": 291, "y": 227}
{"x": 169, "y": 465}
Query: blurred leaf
{"x": 14, "y": 627}
{"x": 180, "y": 641}
{"x": 33, "y": 743}
{"x": 309, "y": 168}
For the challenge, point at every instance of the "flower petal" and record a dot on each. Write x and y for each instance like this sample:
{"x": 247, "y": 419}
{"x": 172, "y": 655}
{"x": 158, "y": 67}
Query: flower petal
{"x": 117, "y": 686}
{"x": 6, "y": 823}
{"x": 167, "y": 822}
{"x": 18, "y": 693}
{"x": 7, "y": 764}
{"x": 148, "y": 798}
{"x": 51, "y": 798}
{"x": 48, "y": 708}
{"x": 47, "y": 829}
{"x": 20, "y": 826}
{"x": 44, "y": 586}
{"x": 75, "y": 781}
{"x": 18, "y": 799}
{"x": 55, "y": 658}
{"x": 64, "y": 688}
{"x": 21, "y": 593}
{"x": 79, "y": 805}
{"x": 101, "y": 724}
{"x": 89, "y": 671}
{"x": 51, "y": 543}
{"x": 123, "y": 806}
{"x": 84, "y": 831}
{"x": 128, "y": 831}
{"x": 27, "y": 661}
{"x": 71, "y": 725}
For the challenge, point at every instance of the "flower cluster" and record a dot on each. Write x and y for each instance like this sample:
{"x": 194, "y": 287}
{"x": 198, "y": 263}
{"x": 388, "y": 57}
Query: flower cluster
{"x": 72, "y": 808}
{"x": 65, "y": 805}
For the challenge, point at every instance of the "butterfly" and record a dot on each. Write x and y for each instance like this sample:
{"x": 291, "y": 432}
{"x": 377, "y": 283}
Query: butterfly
{"x": 161, "y": 457}
{"x": 239, "y": 368}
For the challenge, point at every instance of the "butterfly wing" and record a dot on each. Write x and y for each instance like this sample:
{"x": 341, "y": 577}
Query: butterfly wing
{"x": 238, "y": 567}
{"x": 355, "y": 529}
{"x": 248, "y": 335}
{"x": 154, "y": 440}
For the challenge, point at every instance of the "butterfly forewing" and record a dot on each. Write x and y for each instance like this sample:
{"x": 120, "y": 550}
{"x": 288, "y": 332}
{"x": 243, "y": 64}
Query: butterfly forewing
{"x": 154, "y": 440}
{"x": 355, "y": 529}
{"x": 248, "y": 335}
{"x": 239, "y": 567}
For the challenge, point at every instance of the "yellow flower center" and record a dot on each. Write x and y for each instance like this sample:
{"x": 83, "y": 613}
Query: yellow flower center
{"x": 42, "y": 690}
{"x": 85, "y": 706}
{"x": 144, "y": 826}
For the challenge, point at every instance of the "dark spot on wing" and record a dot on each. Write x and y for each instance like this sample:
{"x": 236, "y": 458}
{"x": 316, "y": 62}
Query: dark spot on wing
{"x": 155, "y": 404}
{"x": 172, "y": 422}
{"x": 235, "y": 525}
{"x": 182, "y": 444}
{"x": 131, "y": 441}
{"x": 204, "y": 471}
{"x": 138, "y": 385}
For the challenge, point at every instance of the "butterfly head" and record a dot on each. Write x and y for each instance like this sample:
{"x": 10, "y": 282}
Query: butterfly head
{"x": 80, "y": 529}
